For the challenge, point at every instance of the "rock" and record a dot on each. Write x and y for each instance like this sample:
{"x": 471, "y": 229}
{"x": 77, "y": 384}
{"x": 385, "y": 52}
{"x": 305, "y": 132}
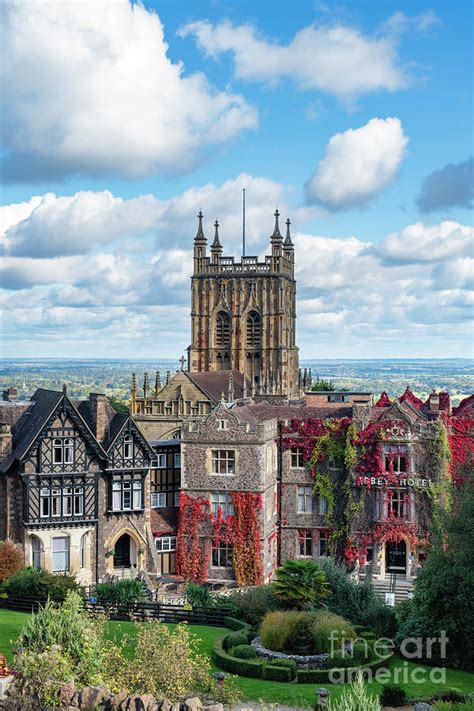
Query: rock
{"x": 193, "y": 704}
{"x": 214, "y": 707}
{"x": 116, "y": 701}
{"x": 165, "y": 705}
{"x": 176, "y": 707}
{"x": 92, "y": 696}
{"x": 67, "y": 693}
{"x": 422, "y": 706}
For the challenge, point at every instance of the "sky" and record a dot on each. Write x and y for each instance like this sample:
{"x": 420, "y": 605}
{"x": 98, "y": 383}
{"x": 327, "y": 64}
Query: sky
{"x": 122, "y": 120}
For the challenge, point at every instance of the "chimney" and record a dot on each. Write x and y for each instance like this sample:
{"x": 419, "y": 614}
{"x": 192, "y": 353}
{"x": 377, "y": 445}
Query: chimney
{"x": 434, "y": 401}
{"x": 10, "y": 395}
{"x": 99, "y": 415}
{"x": 5, "y": 440}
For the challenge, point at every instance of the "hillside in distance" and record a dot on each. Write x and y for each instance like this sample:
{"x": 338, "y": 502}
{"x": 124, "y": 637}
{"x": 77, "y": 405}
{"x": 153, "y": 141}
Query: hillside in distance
{"x": 114, "y": 376}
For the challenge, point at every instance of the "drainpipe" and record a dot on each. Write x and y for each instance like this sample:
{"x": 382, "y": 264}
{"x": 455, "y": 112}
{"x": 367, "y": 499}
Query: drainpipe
{"x": 279, "y": 490}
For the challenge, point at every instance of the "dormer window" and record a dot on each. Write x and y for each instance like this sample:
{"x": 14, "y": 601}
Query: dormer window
{"x": 128, "y": 447}
{"x": 63, "y": 450}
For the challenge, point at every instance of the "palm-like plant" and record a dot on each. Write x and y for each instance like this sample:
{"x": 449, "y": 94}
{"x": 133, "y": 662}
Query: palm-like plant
{"x": 301, "y": 583}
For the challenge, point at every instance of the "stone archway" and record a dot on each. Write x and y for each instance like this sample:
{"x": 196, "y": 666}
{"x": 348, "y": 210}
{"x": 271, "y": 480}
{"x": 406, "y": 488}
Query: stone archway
{"x": 125, "y": 551}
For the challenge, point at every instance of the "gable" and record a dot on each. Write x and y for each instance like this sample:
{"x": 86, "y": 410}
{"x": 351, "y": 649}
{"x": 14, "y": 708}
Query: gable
{"x": 123, "y": 456}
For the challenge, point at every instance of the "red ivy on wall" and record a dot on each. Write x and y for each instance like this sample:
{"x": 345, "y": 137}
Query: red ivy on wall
{"x": 461, "y": 444}
{"x": 395, "y": 531}
{"x": 198, "y": 528}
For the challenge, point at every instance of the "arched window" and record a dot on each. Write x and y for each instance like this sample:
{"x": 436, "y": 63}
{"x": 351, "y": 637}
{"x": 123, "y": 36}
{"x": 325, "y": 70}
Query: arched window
{"x": 63, "y": 450}
{"x": 82, "y": 550}
{"x": 254, "y": 330}
{"x": 36, "y": 552}
{"x": 57, "y": 451}
{"x": 68, "y": 450}
{"x": 222, "y": 330}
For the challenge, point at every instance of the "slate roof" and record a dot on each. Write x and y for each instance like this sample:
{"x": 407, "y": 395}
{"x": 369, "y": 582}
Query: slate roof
{"x": 264, "y": 411}
{"x": 215, "y": 383}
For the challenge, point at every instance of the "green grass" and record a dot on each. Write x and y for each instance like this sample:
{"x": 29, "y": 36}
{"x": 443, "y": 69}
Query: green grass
{"x": 256, "y": 689}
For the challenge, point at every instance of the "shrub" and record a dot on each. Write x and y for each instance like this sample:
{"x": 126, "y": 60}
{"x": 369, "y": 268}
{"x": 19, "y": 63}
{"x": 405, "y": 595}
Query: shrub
{"x": 301, "y": 583}
{"x": 167, "y": 662}
{"x": 448, "y": 706}
{"x": 356, "y": 698}
{"x": 252, "y": 605}
{"x": 236, "y": 639}
{"x": 11, "y": 559}
{"x": 393, "y": 695}
{"x": 31, "y": 582}
{"x": 60, "y": 643}
{"x": 244, "y": 651}
{"x": 288, "y": 664}
{"x": 199, "y": 596}
{"x": 326, "y": 623}
{"x": 278, "y": 628}
{"x": 243, "y": 667}
{"x": 272, "y": 672}
{"x": 358, "y": 602}
{"x": 122, "y": 592}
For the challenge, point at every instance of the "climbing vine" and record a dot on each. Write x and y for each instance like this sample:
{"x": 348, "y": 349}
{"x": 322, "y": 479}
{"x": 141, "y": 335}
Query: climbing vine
{"x": 461, "y": 445}
{"x": 199, "y": 529}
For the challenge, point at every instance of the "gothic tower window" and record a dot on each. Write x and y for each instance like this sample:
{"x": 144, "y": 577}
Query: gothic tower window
{"x": 222, "y": 330}
{"x": 254, "y": 330}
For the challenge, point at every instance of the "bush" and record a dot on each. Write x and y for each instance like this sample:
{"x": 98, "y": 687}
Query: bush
{"x": 357, "y": 602}
{"x": 272, "y": 672}
{"x": 281, "y": 631}
{"x": 393, "y": 695}
{"x": 11, "y": 559}
{"x": 448, "y": 706}
{"x": 236, "y": 639}
{"x": 252, "y": 605}
{"x": 123, "y": 592}
{"x": 301, "y": 583}
{"x": 244, "y": 651}
{"x": 242, "y": 667}
{"x": 356, "y": 698}
{"x": 199, "y": 596}
{"x": 31, "y": 582}
{"x": 278, "y": 628}
{"x": 288, "y": 663}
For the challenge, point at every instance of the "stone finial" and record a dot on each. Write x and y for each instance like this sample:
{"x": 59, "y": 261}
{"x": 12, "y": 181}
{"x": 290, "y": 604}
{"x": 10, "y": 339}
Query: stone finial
{"x": 64, "y": 389}
{"x": 276, "y": 231}
{"x": 216, "y": 245}
{"x": 200, "y": 237}
{"x": 157, "y": 382}
{"x": 146, "y": 385}
{"x": 288, "y": 243}
{"x": 168, "y": 376}
{"x": 231, "y": 389}
{"x": 182, "y": 361}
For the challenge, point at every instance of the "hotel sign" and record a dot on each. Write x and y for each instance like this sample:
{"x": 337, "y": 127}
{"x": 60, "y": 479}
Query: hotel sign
{"x": 411, "y": 482}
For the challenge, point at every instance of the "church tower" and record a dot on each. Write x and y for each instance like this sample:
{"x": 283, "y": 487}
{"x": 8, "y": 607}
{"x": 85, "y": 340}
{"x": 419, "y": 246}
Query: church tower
{"x": 243, "y": 314}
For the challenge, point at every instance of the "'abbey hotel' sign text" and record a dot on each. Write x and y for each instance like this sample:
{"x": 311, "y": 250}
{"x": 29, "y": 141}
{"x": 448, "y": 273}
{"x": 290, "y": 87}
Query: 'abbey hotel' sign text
{"x": 383, "y": 481}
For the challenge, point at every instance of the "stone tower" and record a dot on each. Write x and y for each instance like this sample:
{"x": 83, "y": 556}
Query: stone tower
{"x": 243, "y": 314}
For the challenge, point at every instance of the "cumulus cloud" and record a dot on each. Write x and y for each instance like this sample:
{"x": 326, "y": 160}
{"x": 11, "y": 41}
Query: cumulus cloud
{"x": 420, "y": 243}
{"x": 450, "y": 186}
{"x": 409, "y": 293}
{"x": 337, "y": 59}
{"x": 53, "y": 225}
{"x": 359, "y": 163}
{"x": 97, "y": 93}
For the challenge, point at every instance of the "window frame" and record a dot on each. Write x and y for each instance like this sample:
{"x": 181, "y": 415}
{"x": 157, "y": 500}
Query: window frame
{"x": 128, "y": 449}
{"x": 223, "y": 459}
{"x": 304, "y": 493}
{"x": 157, "y": 496}
{"x": 305, "y": 541}
{"x": 66, "y": 551}
{"x": 171, "y": 540}
{"x": 296, "y": 454}
{"x": 160, "y": 458}
{"x": 222, "y": 500}
{"x": 220, "y": 552}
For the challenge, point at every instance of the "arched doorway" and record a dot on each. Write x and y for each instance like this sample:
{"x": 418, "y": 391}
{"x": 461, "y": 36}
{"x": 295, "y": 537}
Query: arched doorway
{"x": 396, "y": 557}
{"x": 125, "y": 552}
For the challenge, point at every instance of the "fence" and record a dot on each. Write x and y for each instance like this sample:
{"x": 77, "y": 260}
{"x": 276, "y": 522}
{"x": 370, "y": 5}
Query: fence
{"x": 137, "y": 611}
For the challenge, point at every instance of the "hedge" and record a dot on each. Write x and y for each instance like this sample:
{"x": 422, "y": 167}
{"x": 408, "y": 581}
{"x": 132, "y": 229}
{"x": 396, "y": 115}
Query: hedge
{"x": 235, "y": 639}
{"x": 271, "y": 672}
{"x": 242, "y": 667}
{"x": 319, "y": 676}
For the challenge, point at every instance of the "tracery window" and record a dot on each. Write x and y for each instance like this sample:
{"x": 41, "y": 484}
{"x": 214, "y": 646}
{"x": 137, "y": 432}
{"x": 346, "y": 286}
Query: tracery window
{"x": 222, "y": 330}
{"x": 254, "y": 330}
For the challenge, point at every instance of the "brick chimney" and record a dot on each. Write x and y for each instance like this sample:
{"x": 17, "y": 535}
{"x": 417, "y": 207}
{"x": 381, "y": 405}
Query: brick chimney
{"x": 434, "y": 401}
{"x": 6, "y": 440}
{"x": 99, "y": 415}
{"x": 10, "y": 395}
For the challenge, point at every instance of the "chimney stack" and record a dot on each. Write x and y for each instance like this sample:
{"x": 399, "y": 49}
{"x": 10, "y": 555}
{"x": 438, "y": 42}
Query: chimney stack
{"x": 5, "y": 440}
{"x": 98, "y": 403}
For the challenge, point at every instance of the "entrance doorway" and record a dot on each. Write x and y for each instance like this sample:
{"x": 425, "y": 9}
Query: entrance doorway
{"x": 125, "y": 552}
{"x": 396, "y": 557}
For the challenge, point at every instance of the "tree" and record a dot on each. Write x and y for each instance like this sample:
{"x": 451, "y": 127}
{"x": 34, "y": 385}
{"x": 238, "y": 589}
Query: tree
{"x": 301, "y": 583}
{"x": 119, "y": 405}
{"x": 442, "y": 599}
{"x": 323, "y": 385}
{"x": 11, "y": 559}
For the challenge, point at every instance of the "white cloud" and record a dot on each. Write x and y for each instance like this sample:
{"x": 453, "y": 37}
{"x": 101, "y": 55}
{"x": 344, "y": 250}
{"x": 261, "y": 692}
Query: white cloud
{"x": 337, "y": 59}
{"x": 97, "y": 93}
{"x": 420, "y": 243}
{"x": 53, "y": 225}
{"x": 358, "y": 164}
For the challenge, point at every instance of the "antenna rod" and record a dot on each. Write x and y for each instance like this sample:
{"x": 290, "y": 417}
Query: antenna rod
{"x": 243, "y": 222}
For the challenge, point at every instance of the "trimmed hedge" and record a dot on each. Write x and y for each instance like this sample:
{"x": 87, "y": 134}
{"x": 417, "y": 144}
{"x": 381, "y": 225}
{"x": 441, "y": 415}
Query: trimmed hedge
{"x": 244, "y": 651}
{"x": 242, "y": 667}
{"x": 271, "y": 672}
{"x": 235, "y": 639}
{"x": 234, "y": 624}
{"x": 318, "y": 676}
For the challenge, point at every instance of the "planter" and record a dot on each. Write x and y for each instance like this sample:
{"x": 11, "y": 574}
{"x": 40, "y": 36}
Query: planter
{"x": 303, "y": 661}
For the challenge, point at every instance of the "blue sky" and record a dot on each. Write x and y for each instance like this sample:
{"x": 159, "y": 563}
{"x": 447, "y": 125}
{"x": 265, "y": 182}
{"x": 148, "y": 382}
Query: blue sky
{"x": 355, "y": 119}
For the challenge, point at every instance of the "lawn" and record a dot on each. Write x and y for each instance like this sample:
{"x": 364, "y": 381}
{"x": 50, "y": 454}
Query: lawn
{"x": 256, "y": 689}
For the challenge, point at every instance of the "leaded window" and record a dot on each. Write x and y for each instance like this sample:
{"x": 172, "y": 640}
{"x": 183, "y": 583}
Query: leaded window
{"x": 223, "y": 461}
{"x": 254, "y": 330}
{"x": 222, "y": 330}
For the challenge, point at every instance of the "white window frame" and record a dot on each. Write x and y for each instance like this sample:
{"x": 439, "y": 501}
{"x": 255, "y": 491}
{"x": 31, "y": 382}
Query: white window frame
{"x": 127, "y": 447}
{"x": 224, "y": 459}
{"x": 165, "y": 544}
{"x": 158, "y": 500}
{"x": 176, "y": 497}
{"x": 296, "y": 454}
{"x": 63, "y": 449}
{"x": 65, "y": 551}
{"x": 36, "y": 552}
{"x": 177, "y": 460}
{"x": 308, "y": 536}
{"x": 161, "y": 460}
{"x": 305, "y": 499}
{"x": 127, "y": 495}
{"x": 222, "y": 500}
{"x": 223, "y": 425}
